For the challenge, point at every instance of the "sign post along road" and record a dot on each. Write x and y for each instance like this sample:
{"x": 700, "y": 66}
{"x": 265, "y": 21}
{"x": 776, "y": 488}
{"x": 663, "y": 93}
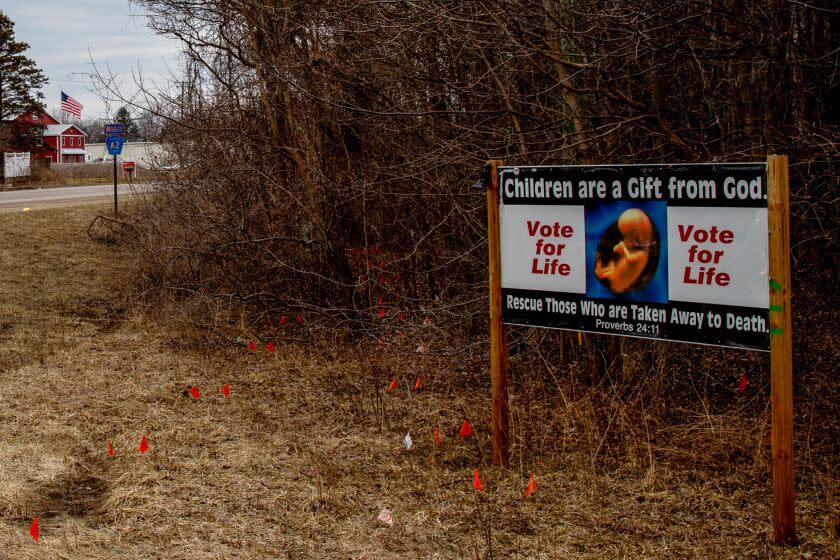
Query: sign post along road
{"x": 676, "y": 252}
{"x": 114, "y": 142}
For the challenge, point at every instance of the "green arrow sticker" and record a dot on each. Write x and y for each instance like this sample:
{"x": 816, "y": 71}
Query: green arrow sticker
{"x": 776, "y": 308}
{"x": 775, "y": 285}
{"x": 777, "y": 331}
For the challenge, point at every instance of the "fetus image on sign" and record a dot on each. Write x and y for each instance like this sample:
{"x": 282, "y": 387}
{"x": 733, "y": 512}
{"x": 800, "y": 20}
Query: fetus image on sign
{"x": 628, "y": 253}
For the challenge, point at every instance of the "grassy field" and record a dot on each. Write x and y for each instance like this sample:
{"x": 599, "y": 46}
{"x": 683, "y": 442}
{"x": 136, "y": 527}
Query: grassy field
{"x": 306, "y": 451}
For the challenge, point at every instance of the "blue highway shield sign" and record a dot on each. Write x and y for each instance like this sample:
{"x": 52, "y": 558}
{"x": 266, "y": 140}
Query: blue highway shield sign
{"x": 114, "y": 144}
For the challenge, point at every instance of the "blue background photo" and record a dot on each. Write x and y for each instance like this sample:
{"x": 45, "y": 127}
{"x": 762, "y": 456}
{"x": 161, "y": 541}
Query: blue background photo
{"x": 598, "y": 218}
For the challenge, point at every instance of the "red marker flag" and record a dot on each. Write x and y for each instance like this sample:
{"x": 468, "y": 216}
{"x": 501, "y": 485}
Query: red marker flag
{"x": 283, "y": 320}
{"x": 299, "y": 319}
{"x": 270, "y": 347}
{"x": 382, "y": 312}
{"x": 379, "y": 300}
{"x": 532, "y": 486}
{"x": 252, "y": 345}
{"x": 437, "y": 436}
{"x": 33, "y": 529}
{"x": 417, "y": 384}
{"x": 477, "y": 482}
{"x": 393, "y": 385}
{"x": 144, "y": 445}
{"x": 110, "y": 450}
{"x": 401, "y": 316}
{"x": 194, "y": 392}
{"x": 466, "y": 430}
{"x": 226, "y": 390}
{"x": 742, "y": 386}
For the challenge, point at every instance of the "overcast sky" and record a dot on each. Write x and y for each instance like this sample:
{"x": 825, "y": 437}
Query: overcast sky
{"x": 65, "y": 36}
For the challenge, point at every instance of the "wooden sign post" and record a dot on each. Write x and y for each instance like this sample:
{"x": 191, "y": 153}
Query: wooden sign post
{"x": 680, "y": 312}
{"x": 498, "y": 332}
{"x": 781, "y": 355}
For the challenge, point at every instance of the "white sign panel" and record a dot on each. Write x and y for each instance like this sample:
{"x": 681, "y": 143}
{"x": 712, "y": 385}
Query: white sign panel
{"x": 677, "y": 252}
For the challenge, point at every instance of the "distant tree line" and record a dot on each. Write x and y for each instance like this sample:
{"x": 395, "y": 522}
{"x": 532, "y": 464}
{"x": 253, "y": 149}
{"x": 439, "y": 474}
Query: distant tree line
{"x": 144, "y": 128}
{"x": 309, "y": 132}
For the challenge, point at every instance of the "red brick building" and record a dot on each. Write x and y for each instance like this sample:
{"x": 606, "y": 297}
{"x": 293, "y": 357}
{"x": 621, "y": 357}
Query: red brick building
{"x": 59, "y": 143}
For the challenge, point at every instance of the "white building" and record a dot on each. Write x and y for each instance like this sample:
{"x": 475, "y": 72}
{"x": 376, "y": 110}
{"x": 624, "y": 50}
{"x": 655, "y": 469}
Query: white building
{"x": 143, "y": 154}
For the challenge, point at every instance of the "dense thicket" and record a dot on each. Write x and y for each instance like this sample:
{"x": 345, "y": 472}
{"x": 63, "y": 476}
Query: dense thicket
{"x": 326, "y": 152}
{"x": 307, "y": 130}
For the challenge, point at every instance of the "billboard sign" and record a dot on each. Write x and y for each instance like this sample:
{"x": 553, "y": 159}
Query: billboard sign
{"x": 672, "y": 251}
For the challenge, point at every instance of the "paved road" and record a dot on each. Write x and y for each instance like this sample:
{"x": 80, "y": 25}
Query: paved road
{"x": 15, "y": 201}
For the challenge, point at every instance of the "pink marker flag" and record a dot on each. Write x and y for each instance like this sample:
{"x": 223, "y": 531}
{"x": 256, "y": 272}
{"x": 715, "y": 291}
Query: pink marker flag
{"x": 33, "y": 529}
{"x": 144, "y": 445}
{"x": 385, "y": 517}
{"x": 226, "y": 390}
{"x": 466, "y": 430}
{"x": 194, "y": 392}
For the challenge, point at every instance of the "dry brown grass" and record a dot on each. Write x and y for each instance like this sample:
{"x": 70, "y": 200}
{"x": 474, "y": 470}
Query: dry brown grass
{"x": 301, "y": 458}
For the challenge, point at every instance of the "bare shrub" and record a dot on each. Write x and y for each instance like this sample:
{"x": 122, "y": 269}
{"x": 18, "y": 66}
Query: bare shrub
{"x": 325, "y": 152}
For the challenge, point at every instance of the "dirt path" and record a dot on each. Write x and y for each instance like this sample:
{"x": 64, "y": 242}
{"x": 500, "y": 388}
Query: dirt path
{"x": 305, "y": 452}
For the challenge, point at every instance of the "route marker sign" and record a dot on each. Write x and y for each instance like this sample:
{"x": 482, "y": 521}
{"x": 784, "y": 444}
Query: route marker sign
{"x": 114, "y": 128}
{"x": 114, "y": 143}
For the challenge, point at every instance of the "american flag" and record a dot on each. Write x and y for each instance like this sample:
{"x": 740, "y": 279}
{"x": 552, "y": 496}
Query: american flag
{"x": 71, "y": 105}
